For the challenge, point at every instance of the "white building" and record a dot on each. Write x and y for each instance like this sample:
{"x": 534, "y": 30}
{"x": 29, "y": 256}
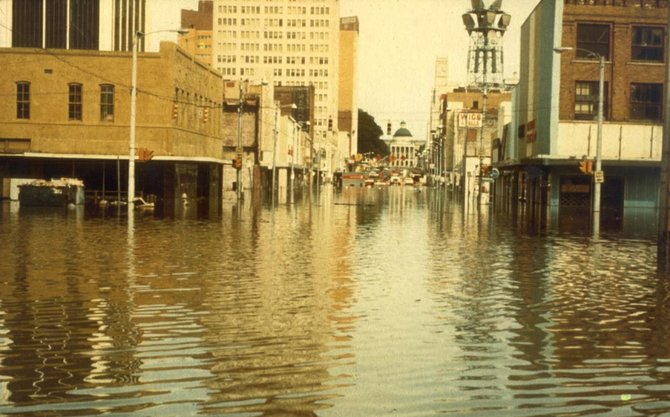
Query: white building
{"x": 287, "y": 43}
{"x": 404, "y": 148}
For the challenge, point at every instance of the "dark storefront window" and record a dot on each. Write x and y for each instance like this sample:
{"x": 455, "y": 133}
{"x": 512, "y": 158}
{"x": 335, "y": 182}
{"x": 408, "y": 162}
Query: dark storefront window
{"x": 647, "y": 44}
{"x": 646, "y": 101}
{"x": 75, "y": 102}
{"x": 593, "y": 38}
{"x": 23, "y": 100}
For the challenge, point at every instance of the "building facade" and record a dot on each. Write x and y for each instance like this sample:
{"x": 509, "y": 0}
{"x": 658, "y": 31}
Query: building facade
{"x": 287, "y": 43}
{"x": 404, "y": 149}
{"x": 69, "y": 116}
{"x": 198, "y": 40}
{"x": 106, "y": 25}
{"x": 348, "y": 86}
{"x": 556, "y": 104}
{"x": 468, "y": 134}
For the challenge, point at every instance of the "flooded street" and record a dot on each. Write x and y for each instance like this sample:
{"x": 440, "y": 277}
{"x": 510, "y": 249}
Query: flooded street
{"x": 363, "y": 303}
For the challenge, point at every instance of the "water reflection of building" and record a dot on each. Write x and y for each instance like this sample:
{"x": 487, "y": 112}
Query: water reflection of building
{"x": 282, "y": 290}
{"x": 53, "y": 332}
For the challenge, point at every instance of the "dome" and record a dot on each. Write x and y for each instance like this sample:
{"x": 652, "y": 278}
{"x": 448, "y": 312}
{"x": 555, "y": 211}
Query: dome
{"x": 403, "y": 132}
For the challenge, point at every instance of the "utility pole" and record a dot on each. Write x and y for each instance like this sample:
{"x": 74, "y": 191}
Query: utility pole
{"x": 664, "y": 209}
{"x": 238, "y": 147}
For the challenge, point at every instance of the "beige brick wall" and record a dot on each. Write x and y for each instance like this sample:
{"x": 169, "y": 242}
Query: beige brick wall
{"x": 159, "y": 77}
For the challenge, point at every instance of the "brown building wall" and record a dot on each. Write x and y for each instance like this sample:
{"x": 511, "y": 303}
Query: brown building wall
{"x": 200, "y": 19}
{"x": 160, "y": 76}
{"x": 620, "y": 70}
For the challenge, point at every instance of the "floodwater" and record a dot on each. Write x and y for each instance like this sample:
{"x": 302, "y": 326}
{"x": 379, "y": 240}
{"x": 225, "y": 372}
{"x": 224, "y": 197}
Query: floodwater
{"x": 356, "y": 303}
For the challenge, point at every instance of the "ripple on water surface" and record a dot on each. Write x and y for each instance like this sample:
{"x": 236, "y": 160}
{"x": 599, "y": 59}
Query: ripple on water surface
{"x": 370, "y": 302}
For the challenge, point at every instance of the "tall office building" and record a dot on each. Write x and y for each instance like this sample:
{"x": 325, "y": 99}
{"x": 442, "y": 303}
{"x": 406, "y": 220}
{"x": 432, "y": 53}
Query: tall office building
{"x": 56, "y": 24}
{"x": 286, "y": 42}
{"x": 348, "y": 103}
{"x": 105, "y": 25}
{"x": 440, "y": 87}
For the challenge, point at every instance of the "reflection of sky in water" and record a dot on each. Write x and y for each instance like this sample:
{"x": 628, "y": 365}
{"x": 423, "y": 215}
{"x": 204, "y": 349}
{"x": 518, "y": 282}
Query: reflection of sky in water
{"x": 374, "y": 302}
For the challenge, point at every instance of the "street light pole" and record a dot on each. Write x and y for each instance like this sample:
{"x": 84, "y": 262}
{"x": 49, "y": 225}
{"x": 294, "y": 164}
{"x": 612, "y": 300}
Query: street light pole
{"x": 295, "y": 133}
{"x": 599, "y": 134}
{"x": 133, "y": 121}
{"x": 274, "y": 153}
{"x": 599, "y": 146}
{"x": 133, "y": 112}
{"x": 238, "y": 149}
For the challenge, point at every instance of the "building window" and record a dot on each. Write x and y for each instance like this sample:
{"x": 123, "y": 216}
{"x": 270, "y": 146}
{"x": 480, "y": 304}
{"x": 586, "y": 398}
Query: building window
{"x": 646, "y": 101}
{"x": 74, "y": 102}
{"x": 23, "y": 100}
{"x": 647, "y": 44}
{"x": 593, "y": 38}
{"x": 107, "y": 102}
{"x": 586, "y": 100}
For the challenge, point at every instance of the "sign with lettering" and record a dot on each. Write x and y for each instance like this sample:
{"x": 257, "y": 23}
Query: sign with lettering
{"x": 467, "y": 119}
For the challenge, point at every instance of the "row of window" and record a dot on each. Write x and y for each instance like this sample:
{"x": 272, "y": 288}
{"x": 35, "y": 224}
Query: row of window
{"x": 313, "y": 23}
{"x": 256, "y": 34}
{"x": 646, "y": 101}
{"x": 226, "y": 9}
{"x": 75, "y": 101}
{"x": 270, "y": 59}
{"x": 647, "y": 43}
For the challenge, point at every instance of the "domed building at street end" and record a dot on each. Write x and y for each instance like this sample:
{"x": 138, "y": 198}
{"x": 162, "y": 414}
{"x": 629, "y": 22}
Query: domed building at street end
{"x": 404, "y": 148}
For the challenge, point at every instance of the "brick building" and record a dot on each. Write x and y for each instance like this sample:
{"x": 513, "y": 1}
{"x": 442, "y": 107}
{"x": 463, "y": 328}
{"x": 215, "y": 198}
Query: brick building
{"x": 556, "y": 106}
{"x": 198, "y": 40}
{"x": 69, "y": 116}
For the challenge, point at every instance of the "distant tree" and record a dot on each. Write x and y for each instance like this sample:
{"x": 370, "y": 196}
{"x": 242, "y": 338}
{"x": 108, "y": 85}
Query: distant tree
{"x": 369, "y": 134}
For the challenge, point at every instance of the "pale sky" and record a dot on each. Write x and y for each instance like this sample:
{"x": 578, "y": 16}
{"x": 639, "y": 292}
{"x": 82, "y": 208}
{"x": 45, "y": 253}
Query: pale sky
{"x": 398, "y": 45}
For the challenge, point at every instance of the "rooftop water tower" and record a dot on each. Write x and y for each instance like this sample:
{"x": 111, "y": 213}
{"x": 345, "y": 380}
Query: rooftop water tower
{"x": 486, "y": 27}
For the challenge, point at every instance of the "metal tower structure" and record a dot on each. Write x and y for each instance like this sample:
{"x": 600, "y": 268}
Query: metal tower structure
{"x": 486, "y": 27}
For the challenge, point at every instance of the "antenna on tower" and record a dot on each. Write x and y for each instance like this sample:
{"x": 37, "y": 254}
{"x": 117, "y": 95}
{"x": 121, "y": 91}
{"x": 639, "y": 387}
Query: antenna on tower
{"x": 486, "y": 27}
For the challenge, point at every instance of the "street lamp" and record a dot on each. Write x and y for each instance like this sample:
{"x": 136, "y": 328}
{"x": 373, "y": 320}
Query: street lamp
{"x": 133, "y": 112}
{"x": 597, "y": 177}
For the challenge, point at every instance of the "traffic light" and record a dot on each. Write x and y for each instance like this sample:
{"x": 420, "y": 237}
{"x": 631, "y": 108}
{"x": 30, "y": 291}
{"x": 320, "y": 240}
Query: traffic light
{"x": 237, "y": 163}
{"x": 388, "y": 128}
{"x": 205, "y": 115}
{"x": 586, "y": 166}
{"x": 144, "y": 154}
{"x": 175, "y": 110}
{"x": 330, "y": 123}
